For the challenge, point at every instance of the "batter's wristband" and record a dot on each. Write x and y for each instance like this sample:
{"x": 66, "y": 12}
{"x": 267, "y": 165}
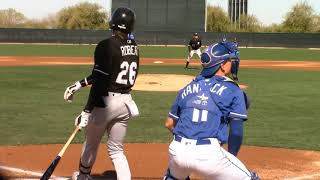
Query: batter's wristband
{"x": 87, "y": 110}
{"x": 84, "y": 82}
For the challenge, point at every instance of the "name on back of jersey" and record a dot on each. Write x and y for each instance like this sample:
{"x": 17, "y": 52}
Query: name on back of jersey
{"x": 195, "y": 88}
{"x": 129, "y": 50}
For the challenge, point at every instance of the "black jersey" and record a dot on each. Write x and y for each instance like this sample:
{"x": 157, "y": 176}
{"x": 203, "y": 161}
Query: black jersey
{"x": 116, "y": 65}
{"x": 195, "y": 43}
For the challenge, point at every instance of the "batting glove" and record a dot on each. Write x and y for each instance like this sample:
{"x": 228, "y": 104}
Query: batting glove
{"x": 68, "y": 94}
{"x": 82, "y": 120}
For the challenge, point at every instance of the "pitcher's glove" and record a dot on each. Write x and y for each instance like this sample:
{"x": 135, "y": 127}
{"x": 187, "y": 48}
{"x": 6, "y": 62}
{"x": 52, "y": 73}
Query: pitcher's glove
{"x": 68, "y": 94}
{"x": 82, "y": 120}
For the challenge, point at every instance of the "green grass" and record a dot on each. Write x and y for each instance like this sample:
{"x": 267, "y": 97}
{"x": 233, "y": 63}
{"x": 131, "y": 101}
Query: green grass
{"x": 154, "y": 52}
{"x": 283, "y": 111}
{"x": 284, "y": 108}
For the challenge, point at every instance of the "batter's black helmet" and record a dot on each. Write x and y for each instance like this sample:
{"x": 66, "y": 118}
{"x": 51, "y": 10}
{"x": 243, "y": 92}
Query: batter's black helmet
{"x": 122, "y": 19}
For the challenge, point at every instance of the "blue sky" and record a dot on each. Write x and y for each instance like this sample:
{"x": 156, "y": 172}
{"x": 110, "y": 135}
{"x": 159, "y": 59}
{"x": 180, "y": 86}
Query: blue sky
{"x": 267, "y": 11}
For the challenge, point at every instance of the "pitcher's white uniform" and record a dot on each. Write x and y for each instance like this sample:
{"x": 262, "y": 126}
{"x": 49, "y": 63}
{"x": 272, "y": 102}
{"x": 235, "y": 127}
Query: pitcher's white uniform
{"x": 194, "y": 47}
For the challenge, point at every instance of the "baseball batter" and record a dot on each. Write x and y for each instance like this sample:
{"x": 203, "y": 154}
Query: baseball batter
{"x": 200, "y": 116}
{"x": 110, "y": 105}
{"x": 193, "y": 47}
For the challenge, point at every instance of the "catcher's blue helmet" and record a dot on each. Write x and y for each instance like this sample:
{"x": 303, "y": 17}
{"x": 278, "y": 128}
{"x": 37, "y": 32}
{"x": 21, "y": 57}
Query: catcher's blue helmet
{"x": 217, "y": 54}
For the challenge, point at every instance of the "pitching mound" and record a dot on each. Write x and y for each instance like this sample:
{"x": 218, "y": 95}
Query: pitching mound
{"x": 161, "y": 82}
{"x": 164, "y": 82}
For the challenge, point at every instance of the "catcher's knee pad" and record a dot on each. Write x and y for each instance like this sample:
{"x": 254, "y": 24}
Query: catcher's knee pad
{"x": 254, "y": 176}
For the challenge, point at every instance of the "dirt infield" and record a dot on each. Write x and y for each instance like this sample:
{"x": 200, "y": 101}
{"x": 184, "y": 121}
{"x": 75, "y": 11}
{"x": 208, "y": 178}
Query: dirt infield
{"x": 149, "y": 161}
{"x": 32, "y": 61}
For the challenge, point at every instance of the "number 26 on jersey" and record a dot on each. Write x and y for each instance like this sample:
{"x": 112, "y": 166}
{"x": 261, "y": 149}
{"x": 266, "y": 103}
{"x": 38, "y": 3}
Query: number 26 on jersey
{"x": 128, "y": 73}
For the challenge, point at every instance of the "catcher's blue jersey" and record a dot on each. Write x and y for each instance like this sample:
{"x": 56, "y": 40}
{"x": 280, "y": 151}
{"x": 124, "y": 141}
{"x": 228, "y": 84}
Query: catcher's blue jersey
{"x": 203, "y": 107}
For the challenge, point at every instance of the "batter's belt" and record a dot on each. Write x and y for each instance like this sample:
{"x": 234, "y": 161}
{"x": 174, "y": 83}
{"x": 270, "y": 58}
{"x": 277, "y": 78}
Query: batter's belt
{"x": 115, "y": 98}
{"x": 115, "y": 94}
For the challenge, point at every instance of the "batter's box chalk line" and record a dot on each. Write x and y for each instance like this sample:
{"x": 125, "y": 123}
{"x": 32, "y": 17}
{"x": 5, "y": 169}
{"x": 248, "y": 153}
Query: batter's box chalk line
{"x": 26, "y": 173}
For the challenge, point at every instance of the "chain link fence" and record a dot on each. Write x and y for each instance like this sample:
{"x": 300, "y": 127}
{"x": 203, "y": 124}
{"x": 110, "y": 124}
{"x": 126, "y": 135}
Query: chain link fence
{"x": 291, "y": 40}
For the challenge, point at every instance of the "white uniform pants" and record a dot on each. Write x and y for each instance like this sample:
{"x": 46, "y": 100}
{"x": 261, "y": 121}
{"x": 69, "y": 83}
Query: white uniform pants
{"x": 111, "y": 121}
{"x": 209, "y": 161}
{"x": 191, "y": 53}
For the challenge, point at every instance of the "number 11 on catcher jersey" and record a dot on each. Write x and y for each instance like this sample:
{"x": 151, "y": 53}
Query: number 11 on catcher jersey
{"x": 199, "y": 114}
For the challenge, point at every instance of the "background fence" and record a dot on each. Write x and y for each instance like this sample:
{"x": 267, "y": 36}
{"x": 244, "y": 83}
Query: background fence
{"x": 295, "y": 40}
{"x": 162, "y": 15}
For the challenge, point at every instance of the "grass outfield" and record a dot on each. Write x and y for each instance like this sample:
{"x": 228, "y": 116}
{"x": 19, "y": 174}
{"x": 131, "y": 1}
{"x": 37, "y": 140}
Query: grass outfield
{"x": 154, "y": 52}
{"x": 283, "y": 109}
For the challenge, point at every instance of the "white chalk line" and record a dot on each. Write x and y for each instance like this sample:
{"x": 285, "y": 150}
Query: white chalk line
{"x": 26, "y": 172}
{"x": 304, "y": 177}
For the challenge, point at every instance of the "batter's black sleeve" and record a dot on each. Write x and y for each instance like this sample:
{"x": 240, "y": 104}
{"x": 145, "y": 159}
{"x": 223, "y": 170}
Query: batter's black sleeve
{"x": 100, "y": 75}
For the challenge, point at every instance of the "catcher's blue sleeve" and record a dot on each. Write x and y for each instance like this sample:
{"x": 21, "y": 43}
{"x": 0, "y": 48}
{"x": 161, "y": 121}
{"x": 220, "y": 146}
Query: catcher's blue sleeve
{"x": 238, "y": 114}
{"x": 238, "y": 106}
{"x": 175, "y": 110}
{"x": 235, "y": 136}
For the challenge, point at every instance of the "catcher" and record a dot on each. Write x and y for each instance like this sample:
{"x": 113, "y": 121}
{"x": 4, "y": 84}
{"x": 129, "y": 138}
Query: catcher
{"x": 201, "y": 115}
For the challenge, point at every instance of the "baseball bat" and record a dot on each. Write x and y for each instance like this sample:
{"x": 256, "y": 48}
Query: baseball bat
{"x": 56, "y": 160}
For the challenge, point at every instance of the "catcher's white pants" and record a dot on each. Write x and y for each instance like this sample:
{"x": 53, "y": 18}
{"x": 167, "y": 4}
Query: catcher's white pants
{"x": 192, "y": 52}
{"x": 210, "y": 161}
{"x": 112, "y": 121}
